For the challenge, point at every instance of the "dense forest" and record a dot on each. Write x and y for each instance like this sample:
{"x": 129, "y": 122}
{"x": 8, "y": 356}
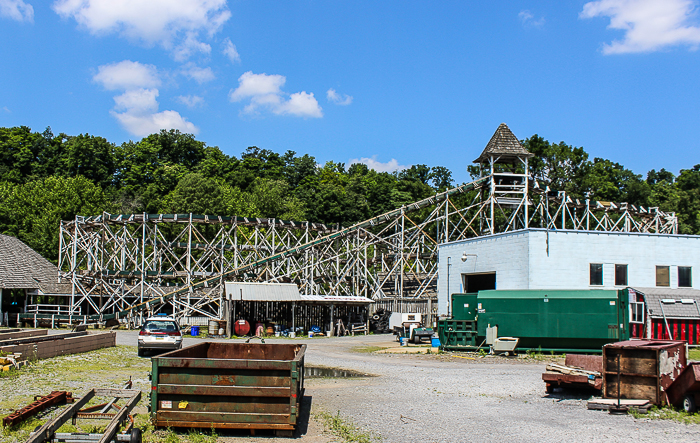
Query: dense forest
{"x": 45, "y": 178}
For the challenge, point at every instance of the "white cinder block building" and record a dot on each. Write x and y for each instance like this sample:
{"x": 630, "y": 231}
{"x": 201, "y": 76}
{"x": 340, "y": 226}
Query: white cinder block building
{"x": 566, "y": 259}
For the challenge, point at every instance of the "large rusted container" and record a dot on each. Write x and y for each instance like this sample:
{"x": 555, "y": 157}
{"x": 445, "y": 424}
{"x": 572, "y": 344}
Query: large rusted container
{"x": 685, "y": 391}
{"x": 229, "y": 386}
{"x": 647, "y": 368}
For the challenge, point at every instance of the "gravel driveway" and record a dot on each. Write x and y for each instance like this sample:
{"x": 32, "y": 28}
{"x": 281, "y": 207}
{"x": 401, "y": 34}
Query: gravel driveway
{"x": 437, "y": 398}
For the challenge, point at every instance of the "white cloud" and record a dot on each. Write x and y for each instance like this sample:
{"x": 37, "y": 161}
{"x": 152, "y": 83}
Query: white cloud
{"x": 143, "y": 125}
{"x": 339, "y": 99}
{"x": 265, "y": 93}
{"x": 177, "y": 25}
{"x": 127, "y": 75}
{"x": 139, "y": 114}
{"x": 191, "y": 101}
{"x": 17, "y": 10}
{"x": 300, "y": 104}
{"x": 649, "y": 25}
{"x": 252, "y": 85}
{"x": 230, "y": 51}
{"x": 200, "y": 75}
{"x": 372, "y": 163}
{"x": 6, "y": 109}
{"x": 137, "y": 101}
{"x": 136, "y": 108}
{"x": 528, "y": 19}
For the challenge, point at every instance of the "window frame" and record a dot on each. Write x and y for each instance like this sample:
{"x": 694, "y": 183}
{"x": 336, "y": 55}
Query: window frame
{"x": 690, "y": 276}
{"x": 591, "y": 274}
{"x": 625, "y": 275}
{"x": 668, "y": 276}
{"x": 636, "y": 310}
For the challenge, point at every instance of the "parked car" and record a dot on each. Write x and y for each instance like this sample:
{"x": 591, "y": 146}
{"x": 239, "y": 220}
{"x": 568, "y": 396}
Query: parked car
{"x": 159, "y": 333}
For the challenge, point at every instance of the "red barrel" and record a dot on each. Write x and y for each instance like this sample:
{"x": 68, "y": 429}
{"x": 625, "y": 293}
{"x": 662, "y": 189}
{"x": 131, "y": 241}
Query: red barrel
{"x": 241, "y": 327}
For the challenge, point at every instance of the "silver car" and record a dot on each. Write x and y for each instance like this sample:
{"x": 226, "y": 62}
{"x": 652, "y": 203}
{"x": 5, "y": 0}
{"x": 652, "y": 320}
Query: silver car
{"x": 159, "y": 333}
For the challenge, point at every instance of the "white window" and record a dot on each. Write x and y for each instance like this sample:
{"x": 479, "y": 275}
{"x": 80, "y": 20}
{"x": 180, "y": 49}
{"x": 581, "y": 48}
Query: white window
{"x": 636, "y": 312}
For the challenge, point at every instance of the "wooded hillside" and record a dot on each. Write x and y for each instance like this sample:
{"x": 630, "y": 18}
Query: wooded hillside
{"x": 45, "y": 178}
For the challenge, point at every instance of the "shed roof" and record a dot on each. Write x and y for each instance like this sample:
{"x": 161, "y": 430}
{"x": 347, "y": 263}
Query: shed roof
{"x": 504, "y": 145}
{"x": 21, "y": 267}
{"x": 284, "y": 292}
{"x": 677, "y": 303}
{"x": 262, "y": 291}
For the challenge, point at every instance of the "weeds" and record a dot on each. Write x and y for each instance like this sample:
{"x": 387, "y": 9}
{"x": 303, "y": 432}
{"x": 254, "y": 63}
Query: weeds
{"x": 197, "y": 436}
{"x": 346, "y": 430}
{"x": 694, "y": 354}
{"x": 667, "y": 413}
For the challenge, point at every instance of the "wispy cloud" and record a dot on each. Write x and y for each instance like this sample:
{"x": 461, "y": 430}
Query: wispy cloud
{"x": 648, "y": 25}
{"x": 230, "y": 51}
{"x": 6, "y": 109}
{"x": 339, "y": 99}
{"x": 198, "y": 74}
{"x": 527, "y": 18}
{"x": 191, "y": 101}
{"x": 265, "y": 93}
{"x": 17, "y": 10}
{"x": 136, "y": 109}
{"x": 178, "y": 26}
{"x": 372, "y": 163}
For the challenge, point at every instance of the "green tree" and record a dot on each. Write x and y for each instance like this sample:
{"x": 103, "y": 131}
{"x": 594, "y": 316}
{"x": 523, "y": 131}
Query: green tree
{"x": 33, "y": 211}
{"x": 560, "y": 166}
{"x": 273, "y": 199}
{"x": 195, "y": 194}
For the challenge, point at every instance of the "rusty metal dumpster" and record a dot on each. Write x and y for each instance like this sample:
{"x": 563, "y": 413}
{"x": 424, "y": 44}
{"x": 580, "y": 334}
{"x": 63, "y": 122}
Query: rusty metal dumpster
{"x": 685, "y": 390}
{"x": 228, "y": 386}
{"x": 642, "y": 369}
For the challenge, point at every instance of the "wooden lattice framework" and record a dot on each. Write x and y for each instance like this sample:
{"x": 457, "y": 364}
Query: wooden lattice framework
{"x": 122, "y": 264}
{"x": 116, "y": 263}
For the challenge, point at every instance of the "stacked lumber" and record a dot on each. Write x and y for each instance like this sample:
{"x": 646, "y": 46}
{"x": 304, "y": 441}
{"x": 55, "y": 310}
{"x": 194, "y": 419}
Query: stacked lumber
{"x": 571, "y": 377}
{"x": 571, "y": 370}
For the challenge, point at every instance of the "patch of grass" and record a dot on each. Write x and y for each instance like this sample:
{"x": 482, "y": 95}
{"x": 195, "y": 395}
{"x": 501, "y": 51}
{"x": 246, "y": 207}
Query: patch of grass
{"x": 76, "y": 373}
{"x": 367, "y": 349}
{"x": 12, "y": 373}
{"x": 694, "y": 354}
{"x": 197, "y": 436}
{"x": 537, "y": 355}
{"x": 346, "y": 430}
{"x": 667, "y": 413}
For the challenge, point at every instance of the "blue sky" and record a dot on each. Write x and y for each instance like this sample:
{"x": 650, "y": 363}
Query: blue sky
{"x": 389, "y": 83}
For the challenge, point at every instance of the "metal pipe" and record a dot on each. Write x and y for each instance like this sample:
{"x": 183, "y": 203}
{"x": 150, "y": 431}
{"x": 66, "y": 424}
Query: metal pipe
{"x": 668, "y": 329}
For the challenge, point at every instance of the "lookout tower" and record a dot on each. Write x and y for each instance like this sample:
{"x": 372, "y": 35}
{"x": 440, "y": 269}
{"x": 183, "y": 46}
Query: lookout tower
{"x": 505, "y": 161}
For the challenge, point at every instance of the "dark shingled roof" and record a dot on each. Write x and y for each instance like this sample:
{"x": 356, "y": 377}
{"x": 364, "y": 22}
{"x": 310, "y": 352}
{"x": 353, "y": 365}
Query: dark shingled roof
{"x": 505, "y": 145}
{"x": 21, "y": 267}
{"x": 654, "y": 297}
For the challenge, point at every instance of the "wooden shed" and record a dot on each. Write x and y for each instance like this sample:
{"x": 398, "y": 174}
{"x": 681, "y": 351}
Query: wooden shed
{"x": 665, "y": 314}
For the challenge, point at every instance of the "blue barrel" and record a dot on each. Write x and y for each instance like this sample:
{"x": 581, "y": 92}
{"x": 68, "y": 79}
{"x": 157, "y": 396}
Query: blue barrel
{"x": 194, "y": 331}
{"x": 435, "y": 342}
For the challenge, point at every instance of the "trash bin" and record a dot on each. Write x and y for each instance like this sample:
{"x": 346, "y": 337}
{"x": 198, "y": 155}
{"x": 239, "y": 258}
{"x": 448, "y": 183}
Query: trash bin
{"x": 194, "y": 331}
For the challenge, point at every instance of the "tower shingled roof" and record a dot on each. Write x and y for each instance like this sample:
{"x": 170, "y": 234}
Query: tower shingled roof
{"x": 505, "y": 145}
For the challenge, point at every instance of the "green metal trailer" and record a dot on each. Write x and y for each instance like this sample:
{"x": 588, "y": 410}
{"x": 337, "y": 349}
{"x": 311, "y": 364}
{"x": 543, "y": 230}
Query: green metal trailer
{"x": 548, "y": 320}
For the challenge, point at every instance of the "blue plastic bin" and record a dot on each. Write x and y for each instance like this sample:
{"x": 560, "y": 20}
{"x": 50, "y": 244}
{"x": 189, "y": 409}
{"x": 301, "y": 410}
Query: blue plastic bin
{"x": 435, "y": 342}
{"x": 194, "y": 331}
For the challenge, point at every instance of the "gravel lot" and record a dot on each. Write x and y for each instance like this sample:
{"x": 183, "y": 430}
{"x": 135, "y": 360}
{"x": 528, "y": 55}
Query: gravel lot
{"x": 437, "y": 398}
